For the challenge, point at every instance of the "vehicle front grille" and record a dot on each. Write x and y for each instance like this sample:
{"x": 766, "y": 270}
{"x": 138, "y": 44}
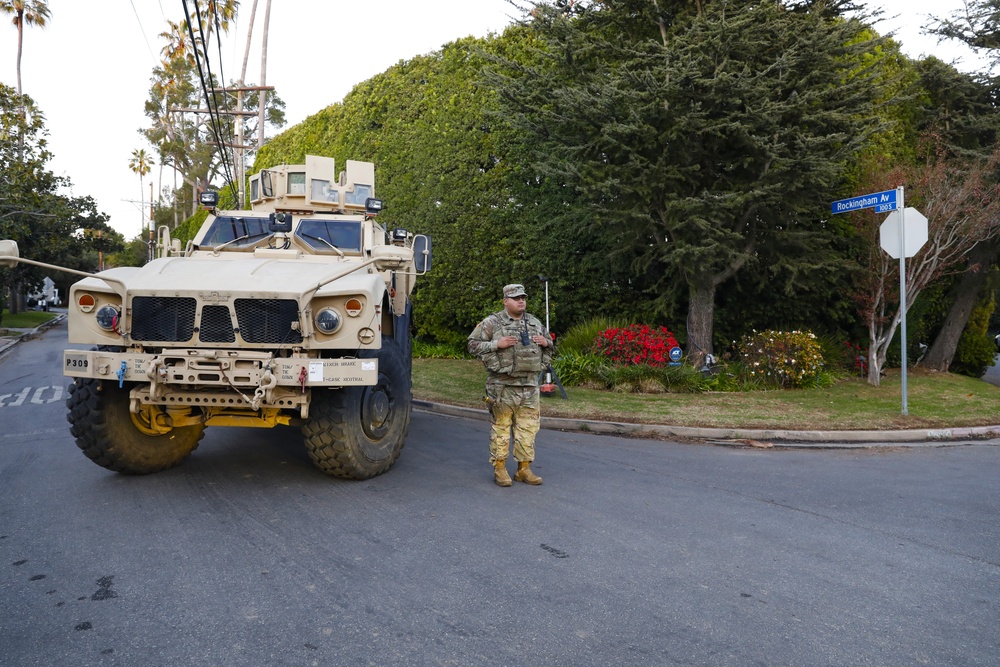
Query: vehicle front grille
{"x": 268, "y": 320}
{"x": 216, "y": 325}
{"x": 171, "y": 320}
{"x": 163, "y": 318}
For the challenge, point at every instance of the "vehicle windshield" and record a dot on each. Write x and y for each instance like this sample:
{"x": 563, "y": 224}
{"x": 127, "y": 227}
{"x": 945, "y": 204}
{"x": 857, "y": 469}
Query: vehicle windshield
{"x": 344, "y": 235}
{"x": 236, "y": 231}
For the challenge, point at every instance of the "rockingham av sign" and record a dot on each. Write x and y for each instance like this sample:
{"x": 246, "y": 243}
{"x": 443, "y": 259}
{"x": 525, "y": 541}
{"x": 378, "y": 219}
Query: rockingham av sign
{"x": 882, "y": 202}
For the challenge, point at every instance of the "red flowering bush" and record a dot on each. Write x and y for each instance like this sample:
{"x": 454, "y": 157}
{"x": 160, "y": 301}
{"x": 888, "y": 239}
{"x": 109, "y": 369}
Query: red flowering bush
{"x": 636, "y": 344}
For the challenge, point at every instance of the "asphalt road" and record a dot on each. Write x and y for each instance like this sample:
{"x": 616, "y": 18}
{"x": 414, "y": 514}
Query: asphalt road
{"x": 633, "y": 552}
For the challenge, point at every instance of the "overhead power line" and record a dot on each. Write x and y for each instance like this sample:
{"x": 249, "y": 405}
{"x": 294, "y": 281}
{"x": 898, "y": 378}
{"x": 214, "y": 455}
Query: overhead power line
{"x": 143, "y": 31}
{"x": 215, "y": 120}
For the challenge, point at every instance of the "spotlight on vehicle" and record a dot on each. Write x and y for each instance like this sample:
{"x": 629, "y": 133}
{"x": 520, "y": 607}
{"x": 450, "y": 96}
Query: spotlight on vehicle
{"x": 209, "y": 199}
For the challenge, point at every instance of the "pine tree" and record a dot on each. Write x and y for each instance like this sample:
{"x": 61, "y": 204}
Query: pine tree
{"x": 705, "y": 137}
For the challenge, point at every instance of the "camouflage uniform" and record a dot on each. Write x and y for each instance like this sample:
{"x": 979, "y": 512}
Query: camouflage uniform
{"x": 512, "y": 385}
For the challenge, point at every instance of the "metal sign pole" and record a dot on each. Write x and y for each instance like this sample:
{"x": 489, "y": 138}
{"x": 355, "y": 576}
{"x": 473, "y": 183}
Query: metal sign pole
{"x": 902, "y": 290}
{"x": 547, "y": 305}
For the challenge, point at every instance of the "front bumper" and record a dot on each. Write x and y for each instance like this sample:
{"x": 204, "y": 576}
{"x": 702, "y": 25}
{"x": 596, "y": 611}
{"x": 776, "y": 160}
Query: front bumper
{"x": 242, "y": 369}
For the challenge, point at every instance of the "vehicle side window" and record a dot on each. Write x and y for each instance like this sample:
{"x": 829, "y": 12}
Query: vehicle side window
{"x": 320, "y": 234}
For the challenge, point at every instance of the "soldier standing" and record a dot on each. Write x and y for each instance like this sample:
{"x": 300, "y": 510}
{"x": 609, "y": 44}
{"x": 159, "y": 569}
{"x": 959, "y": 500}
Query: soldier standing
{"x": 515, "y": 348}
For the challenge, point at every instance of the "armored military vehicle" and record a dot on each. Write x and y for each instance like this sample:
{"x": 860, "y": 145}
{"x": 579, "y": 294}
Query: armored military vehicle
{"x": 293, "y": 313}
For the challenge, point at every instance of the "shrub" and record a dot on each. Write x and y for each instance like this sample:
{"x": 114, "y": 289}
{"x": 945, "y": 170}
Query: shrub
{"x": 782, "y": 358}
{"x": 580, "y": 338}
{"x": 636, "y": 344}
{"x": 842, "y": 357}
{"x": 646, "y": 379}
{"x": 597, "y": 372}
{"x": 976, "y": 349}
{"x": 577, "y": 369}
{"x": 733, "y": 376}
{"x": 425, "y": 350}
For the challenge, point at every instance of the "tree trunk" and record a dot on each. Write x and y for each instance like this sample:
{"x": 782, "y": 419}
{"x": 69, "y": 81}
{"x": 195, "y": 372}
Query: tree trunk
{"x": 13, "y": 305}
{"x": 874, "y": 364}
{"x": 175, "y": 198}
{"x": 19, "y": 22}
{"x": 970, "y": 286}
{"x": 700, "y": 322}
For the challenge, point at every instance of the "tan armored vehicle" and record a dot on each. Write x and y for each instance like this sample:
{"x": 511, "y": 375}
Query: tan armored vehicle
{"x": 294, "y": 313}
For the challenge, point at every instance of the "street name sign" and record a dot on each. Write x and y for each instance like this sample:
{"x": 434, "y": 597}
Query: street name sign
{"x": 882, "y": 202}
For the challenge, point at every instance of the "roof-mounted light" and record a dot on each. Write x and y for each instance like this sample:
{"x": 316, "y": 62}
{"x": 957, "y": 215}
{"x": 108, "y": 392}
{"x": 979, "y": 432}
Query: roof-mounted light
{"x": 280, "y": 221}
{"x": 209, "y": 199}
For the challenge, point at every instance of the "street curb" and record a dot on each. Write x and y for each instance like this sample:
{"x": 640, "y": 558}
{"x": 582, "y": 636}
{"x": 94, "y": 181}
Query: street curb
{"x": 8, "y": 343}
{"x": 778, "y": 438}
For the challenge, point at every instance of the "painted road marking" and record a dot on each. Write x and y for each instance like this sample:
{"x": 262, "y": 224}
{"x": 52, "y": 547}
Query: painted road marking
{"x": 38, "y": 396}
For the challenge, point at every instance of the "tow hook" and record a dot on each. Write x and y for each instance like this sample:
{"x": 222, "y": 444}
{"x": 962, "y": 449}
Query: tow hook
{"x": 265, "y": 391}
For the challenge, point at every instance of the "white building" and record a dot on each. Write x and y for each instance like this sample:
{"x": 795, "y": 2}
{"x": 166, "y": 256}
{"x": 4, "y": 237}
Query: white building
{"x": 47, "y": 297}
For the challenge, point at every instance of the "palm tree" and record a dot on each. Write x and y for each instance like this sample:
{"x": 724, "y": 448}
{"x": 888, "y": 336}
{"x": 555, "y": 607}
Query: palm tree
{"x": 31, "y": 12}
{"x": 177, "y": 34}
{"x": 141, "y": 163}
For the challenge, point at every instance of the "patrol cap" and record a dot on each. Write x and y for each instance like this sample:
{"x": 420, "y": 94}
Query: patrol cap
{"x": 510, "y": 291}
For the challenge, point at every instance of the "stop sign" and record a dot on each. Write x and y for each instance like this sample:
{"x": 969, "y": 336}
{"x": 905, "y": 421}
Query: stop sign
{"x": 915, "y": 226}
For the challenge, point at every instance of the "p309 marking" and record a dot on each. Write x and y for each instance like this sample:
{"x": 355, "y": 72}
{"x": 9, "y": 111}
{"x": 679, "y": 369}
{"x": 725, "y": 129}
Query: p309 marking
{"x": 77, "y": 361}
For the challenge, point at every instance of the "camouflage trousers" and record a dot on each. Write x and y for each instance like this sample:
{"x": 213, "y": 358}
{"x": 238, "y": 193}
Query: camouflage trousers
{"x": 514, "y": 413}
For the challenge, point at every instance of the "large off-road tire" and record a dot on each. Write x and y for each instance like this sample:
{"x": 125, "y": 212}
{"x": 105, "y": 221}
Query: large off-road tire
{"x": 358, "y": 432}
{"x": 109, "y": 434}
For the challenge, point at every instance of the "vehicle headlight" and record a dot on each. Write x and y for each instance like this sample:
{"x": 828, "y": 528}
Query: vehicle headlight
{"x": 328, "y": 320}
{"x": 107, "y": 317}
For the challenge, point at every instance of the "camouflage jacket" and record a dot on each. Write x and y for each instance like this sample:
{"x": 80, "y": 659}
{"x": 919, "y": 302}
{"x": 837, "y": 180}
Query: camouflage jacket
{"x": 519, "y": 365}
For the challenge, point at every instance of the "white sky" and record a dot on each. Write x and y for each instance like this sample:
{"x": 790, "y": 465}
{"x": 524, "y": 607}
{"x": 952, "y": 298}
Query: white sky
{"x": 89, "y": 69}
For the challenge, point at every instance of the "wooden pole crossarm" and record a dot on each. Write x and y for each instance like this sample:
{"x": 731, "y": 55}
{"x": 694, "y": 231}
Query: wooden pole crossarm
{"x": 221, "y": 112}
{"x": 239, "y": 88}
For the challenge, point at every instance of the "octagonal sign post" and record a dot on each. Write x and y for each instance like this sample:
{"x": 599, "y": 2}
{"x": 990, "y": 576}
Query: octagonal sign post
{"x": 914, "y": 236}
{"x": 902, "y": 235}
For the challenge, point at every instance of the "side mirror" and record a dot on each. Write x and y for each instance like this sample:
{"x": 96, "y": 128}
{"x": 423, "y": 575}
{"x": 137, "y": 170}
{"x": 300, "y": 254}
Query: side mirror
{"x": 422, "y": 253}
{"x": 8, "y": 254}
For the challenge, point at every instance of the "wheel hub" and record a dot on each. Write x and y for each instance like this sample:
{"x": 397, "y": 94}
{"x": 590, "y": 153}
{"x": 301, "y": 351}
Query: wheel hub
{"x": 376, "y": 412}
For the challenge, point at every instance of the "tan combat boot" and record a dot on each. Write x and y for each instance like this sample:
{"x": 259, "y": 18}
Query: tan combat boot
{"x": 525, "y": 475}
{"x": 500, "y": 475}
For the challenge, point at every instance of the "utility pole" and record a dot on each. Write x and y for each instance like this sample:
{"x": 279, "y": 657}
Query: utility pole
{"x": 263, "y": 74}
{"x": 239, "y": 113}
{"x": 149, "y": 257}
{"x": 238, "y": 150}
